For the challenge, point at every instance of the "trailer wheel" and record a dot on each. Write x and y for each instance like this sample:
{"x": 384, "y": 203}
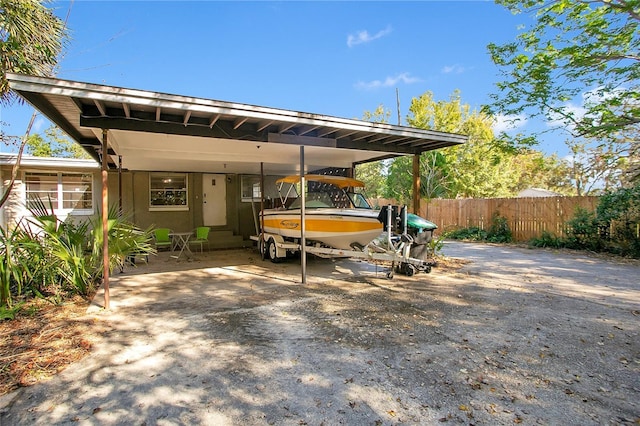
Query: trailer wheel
{"x": 272, "y": 251}
{"x": 409, "y": 269}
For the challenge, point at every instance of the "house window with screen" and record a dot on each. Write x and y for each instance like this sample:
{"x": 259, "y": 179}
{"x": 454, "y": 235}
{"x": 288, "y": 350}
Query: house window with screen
{"x": 70, "y": 193}
{"x": 168, "y": 191}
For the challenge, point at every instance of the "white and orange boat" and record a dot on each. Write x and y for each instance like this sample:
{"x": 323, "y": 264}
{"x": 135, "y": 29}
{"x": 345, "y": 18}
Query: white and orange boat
{"x": 336, "y": 215}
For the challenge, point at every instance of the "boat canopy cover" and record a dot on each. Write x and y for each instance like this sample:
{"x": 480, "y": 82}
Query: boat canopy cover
{"x": 339, "y": 181}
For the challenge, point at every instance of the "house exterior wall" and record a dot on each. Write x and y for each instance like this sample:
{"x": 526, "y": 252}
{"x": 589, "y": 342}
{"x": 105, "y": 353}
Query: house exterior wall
{"x": 14, "y": 210}
{"x": 135, "y": 203}
{"x": 135, "y": 196}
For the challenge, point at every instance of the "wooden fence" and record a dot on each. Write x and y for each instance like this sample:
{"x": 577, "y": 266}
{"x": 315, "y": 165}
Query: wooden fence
{"x": 527, "y": 217}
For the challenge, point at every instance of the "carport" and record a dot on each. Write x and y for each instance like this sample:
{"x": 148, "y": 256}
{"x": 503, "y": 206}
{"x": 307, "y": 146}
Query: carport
{"x": 130, "y": 129}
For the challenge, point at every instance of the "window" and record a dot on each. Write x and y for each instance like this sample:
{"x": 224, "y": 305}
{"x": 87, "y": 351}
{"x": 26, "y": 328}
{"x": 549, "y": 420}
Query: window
{"x": 251, "y": 188}
{"x": 168, "y": 191}
{"x": 69, "y": 192}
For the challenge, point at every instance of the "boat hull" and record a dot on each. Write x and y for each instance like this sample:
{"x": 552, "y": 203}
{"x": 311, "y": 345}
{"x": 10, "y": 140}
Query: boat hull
{"x": 337, "y": 228}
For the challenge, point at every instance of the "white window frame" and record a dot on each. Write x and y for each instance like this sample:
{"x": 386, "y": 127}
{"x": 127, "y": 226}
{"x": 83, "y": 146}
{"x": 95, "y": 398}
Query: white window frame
{"x": 58, "y": 207}
{"x": 165, "y": 189}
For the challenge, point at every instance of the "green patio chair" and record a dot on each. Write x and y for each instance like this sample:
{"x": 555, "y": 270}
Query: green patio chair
{"x": 162, "y": 237}
{"x": 201, "y": 237}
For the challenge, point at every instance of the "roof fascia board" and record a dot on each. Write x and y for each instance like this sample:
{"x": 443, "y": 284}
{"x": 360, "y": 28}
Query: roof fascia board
{"x": 22, "y": 83}
{"x": 49, "y": 162}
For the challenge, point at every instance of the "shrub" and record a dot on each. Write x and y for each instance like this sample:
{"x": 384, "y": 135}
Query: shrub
{"x": 582, "y": 231}
{"x": 499, "y": 231}
{"x": 547, "y": 239}
{"x": 467, "y": 234}
{"x": 63, "y": 256}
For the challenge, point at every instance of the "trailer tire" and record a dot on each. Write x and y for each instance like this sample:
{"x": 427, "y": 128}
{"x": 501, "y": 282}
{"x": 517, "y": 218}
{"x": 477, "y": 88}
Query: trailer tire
{"x": 272, "y": 251}
{"x": 409, "y": 269}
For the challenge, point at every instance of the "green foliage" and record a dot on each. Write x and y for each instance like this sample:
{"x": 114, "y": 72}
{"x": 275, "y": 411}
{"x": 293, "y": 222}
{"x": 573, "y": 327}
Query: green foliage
{"x": 63, "y": 256}
{"x": 435, "y": 245}
{"x": 9, "y": 313}
{"x": 31, "y": 37}
{"x": 486, "y": 166}
{"x": 619, "y": 213}
{"x": 15, "y": 252}
{"x": 499, "y": 231}
{"x": 614, "y": 227}
{"x": 124, "y": 239}
{"x": 573, "y": 50}
{"x": 582, "y": 231}
{"x": 56, "y": 144}
{"x": 379, "y": 115}
{"x": 547, "y": 240}
{"x": 66, "y": 248}
{"x": 373, "y": 175}
{"x": 473, "y": 233}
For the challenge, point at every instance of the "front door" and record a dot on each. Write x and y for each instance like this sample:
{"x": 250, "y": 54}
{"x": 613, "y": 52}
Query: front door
{"x": 214, "y": 200}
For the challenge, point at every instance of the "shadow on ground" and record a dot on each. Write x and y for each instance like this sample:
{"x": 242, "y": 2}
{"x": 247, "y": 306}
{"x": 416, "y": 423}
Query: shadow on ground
{"x": 516, "y": 336}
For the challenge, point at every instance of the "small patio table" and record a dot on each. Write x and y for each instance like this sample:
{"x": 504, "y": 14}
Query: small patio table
{"x": 181, "y": 241}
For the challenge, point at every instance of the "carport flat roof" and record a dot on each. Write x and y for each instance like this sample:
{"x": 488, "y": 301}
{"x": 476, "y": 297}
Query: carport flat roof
{"x": 165, "y": 132}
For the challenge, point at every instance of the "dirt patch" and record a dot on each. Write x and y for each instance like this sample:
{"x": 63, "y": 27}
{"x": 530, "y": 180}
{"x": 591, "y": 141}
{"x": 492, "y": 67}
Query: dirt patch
{"x": 41, "y": 341}
{"x": 503, "y": 335}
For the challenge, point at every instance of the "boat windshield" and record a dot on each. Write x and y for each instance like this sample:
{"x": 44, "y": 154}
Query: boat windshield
{"x": 319, "y": 200}
{"x": 358, "y": 200}
{"x": 314, "y": 200}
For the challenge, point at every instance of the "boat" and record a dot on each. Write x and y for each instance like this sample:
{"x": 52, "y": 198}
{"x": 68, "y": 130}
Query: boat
{"x": 336, "y": 215}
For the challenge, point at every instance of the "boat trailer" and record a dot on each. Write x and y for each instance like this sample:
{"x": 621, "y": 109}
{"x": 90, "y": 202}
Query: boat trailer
{"x": 393, "y": 246}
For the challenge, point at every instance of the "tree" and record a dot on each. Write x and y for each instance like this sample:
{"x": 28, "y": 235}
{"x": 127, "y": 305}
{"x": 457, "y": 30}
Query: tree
{"x": 586, "y": 50}
{"x": 56, "y": 144}
{"x": 373, "y": 173}
{"x": 31, "y": 37}
{"x": 486, "y": 166}
{"x": 479, "y": 168}
{"x": 542, "y": 171}
{"x": 595, "y": 169}
{"x": 379, "y": 115}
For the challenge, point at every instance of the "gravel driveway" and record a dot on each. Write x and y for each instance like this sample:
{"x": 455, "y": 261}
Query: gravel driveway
{"x": 514, "y": 336}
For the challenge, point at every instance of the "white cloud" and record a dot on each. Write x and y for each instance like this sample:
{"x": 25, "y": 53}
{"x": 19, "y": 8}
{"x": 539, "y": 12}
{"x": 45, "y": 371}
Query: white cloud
{"x": 505, "y": 123}
{"x": 364, "y": 36}
{"x": 388, "y": 82}
{"x": 453, "y": 69}
{"x": 38, "y": 125}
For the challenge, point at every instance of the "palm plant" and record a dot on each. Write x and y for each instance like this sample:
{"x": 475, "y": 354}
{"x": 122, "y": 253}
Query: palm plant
{"x": 66, "y": 247}
{"x": 15, "y": 270}
{"x": 125, "y": 239}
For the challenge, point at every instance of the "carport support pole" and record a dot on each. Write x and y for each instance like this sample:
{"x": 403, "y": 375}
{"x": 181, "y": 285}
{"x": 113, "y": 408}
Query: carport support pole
{"x": 416, "y": 184}
{"x": 105, "y": 221}
{"x": 261, "y": 244}
{"x": 303, "y": 238}
{"x": 120, "y": 183}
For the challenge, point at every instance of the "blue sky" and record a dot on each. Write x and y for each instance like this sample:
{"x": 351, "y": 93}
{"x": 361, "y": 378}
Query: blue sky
{"x": 332, "y": 58}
